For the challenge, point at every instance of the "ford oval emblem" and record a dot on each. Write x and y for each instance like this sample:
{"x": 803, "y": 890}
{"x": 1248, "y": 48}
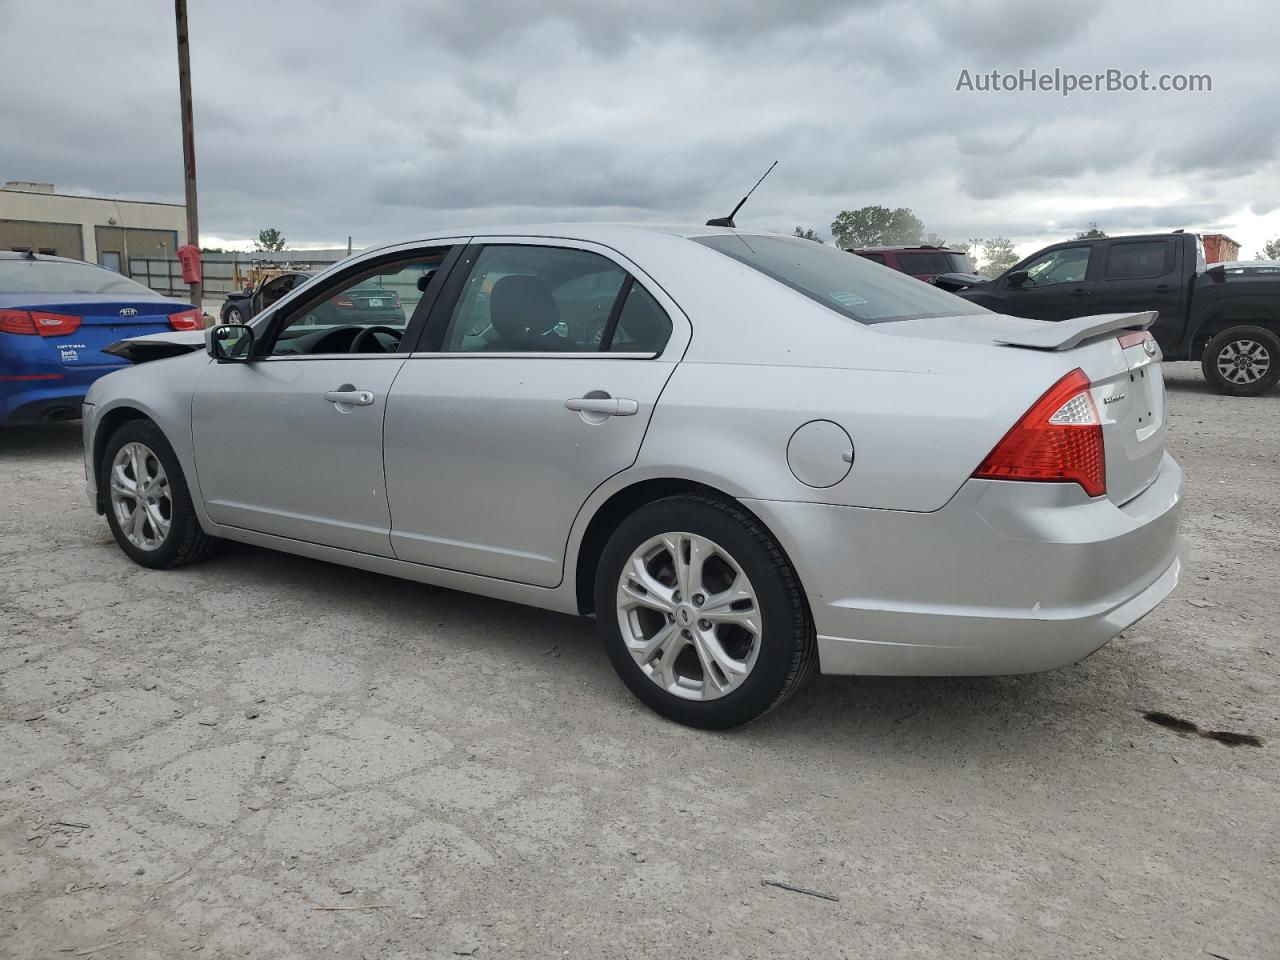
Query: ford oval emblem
{"x": 128, "y": 312}
{"x": 1150, "y": 347}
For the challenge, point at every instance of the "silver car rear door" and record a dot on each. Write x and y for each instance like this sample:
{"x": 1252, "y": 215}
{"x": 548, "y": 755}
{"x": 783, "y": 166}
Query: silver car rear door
{"x": 491, "y": 446}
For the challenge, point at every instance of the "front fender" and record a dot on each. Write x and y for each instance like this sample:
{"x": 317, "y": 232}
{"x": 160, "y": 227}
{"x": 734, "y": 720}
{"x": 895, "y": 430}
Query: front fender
{"x": 161, "y": 391}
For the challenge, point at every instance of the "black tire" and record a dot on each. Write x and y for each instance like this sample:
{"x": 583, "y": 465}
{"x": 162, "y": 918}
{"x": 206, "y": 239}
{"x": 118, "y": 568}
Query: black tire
{"x": 186, "y": 542}
{"x": 233, "y": 315}
{"x": 787, "y": 646}
{"x": 1226, "y": 342}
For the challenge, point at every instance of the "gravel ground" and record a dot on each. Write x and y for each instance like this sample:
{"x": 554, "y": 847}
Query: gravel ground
{"x": 271, "y": 757}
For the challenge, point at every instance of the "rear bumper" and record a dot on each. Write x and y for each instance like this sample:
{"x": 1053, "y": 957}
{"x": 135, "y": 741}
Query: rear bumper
{"x": 43, "y": 394}
{"x": 1006, "y": 578}
{"x": 38, "y": 404}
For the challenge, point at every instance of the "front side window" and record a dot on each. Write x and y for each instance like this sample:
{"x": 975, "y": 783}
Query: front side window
{"x": 534, "y": 299}
{"x": 1131, "y": 261}
{"x": 849, "y": 284}
{"x": 1068, "y": 265}
{"x": 364, "y": 314}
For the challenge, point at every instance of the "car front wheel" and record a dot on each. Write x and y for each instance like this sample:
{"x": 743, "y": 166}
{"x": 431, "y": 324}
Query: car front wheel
{"x": 701, "y": 613}
{"x": 1242, "y": 361}
{"x": 148, "y": 503}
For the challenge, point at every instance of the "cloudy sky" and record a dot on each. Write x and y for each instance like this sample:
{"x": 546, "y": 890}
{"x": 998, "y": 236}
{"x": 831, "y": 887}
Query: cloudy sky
{"x": 382, "y": 119}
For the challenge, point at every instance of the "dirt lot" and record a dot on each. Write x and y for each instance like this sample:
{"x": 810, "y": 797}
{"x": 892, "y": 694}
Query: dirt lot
{"x": 270, "y": 757}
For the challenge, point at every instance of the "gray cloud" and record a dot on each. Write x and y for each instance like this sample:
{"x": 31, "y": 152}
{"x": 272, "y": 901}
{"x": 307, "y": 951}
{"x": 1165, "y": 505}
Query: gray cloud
{"x": 388, "y": 118}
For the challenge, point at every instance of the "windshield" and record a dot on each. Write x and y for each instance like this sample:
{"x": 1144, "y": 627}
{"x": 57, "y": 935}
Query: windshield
{"x": 60, "y": 276}
{"x": 850, "y": 285}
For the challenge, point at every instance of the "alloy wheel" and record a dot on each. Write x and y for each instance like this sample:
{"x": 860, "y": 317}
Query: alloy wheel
{"x": 689, "y": 616}
{"x": 140, "y": 496}
{"x": 1243, "y": 361}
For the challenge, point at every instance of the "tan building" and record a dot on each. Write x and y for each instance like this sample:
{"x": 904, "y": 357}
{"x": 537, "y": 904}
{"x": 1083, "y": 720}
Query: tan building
{"x": 34, "y": 217}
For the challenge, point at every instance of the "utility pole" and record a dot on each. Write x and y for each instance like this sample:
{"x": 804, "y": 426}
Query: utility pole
{"x": 188, "y": 140}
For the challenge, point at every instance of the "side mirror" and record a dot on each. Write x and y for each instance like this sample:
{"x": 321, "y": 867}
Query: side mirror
{"x": 1217, "y": 274}
{"x": 230, "y": 343}
{"x": 1016, "y": 279}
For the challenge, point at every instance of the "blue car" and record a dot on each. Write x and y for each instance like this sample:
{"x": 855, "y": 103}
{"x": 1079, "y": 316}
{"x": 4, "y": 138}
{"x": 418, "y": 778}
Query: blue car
{"x": 56, "y": 316}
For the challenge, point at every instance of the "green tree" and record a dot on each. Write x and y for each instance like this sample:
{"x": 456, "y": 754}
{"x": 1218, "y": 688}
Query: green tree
{"x": 1093, "y": 233}
{"x": 998, "y": 256}
{"x": 876, "y": 226}
{"x": 807, "y": 233}
{"x": 270, "y": 239}
{"x": 931, "y": 239}
{"x": 1270, "y": 250}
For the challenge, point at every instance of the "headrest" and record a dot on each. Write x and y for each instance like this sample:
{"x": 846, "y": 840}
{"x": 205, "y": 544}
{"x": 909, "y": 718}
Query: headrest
{"x": 519, "y": 303}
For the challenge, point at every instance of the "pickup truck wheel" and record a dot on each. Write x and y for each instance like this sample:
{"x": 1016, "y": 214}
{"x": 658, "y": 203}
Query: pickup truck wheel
{"x": 1242, "y": 361}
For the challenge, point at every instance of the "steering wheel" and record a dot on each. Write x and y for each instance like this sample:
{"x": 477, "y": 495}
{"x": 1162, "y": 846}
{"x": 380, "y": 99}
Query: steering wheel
{"x": 358, "y": 343}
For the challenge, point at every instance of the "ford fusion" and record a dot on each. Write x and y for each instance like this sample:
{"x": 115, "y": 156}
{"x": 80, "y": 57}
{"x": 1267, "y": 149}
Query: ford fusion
{"x": 748, "y": 456}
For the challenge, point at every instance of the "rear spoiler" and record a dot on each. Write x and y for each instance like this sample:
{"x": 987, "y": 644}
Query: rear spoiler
{"x": 1068, "y": 334}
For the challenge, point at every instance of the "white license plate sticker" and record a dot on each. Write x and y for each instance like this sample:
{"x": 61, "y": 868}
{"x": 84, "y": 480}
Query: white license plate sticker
{"x": 375, "y": 302}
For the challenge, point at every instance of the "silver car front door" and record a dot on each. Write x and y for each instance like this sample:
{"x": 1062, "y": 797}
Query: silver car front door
{"x": 290, "y": 443}
{"x": 293, "y": 447}
{"x": 494, "y": 440}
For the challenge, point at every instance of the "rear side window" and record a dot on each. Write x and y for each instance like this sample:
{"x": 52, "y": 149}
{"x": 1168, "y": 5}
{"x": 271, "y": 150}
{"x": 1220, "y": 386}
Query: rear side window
{"x": 1130, "y": 261}
{"x": 643, "y": 326}
{"x": 534, "y": 299}
{"x": 848, "y": 284}
{"x": 528, "y": 298}
{"x": 873, "y": 257}
{"x": 57, "y": 276}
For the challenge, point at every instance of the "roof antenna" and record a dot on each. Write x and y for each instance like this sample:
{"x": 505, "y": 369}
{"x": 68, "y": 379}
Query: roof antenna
{"x": 728, "y": 221}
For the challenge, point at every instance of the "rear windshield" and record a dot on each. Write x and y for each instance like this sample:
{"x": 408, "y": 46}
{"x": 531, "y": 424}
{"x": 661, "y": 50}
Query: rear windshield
{"x": 57, "y": 276}
{"x": 933, "y": 262}
{"x": 844, "y": 282}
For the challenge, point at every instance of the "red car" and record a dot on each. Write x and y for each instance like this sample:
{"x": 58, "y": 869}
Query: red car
{"x": 923, "y": 263}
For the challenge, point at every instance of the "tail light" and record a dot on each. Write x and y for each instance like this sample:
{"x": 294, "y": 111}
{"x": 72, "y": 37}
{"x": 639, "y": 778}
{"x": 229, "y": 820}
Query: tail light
{"x": 186, "y": 320}
{"x": 343, "y": 302}
{"x": 38, "y": 322}
{"x": 1058, "y": 440}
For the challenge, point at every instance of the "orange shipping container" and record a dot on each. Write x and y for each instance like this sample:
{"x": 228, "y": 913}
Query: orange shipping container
{"x": 1219, "y": 248}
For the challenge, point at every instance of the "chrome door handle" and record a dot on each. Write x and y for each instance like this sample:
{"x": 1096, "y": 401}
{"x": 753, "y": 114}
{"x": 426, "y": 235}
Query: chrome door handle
{"x": 357, "y": 398}
{"x": 608, "y": 406}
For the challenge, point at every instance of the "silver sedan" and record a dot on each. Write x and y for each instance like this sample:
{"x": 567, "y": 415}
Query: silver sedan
{"x": 748, "y": 456}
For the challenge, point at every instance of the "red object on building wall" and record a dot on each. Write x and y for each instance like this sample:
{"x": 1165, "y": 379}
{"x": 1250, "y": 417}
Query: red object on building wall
{"x": 1219, "y": 248}
{"x": 189, "y": 257}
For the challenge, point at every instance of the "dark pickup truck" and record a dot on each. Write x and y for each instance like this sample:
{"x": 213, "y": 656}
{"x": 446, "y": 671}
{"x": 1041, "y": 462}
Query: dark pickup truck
{"x": 1228, "y": 320}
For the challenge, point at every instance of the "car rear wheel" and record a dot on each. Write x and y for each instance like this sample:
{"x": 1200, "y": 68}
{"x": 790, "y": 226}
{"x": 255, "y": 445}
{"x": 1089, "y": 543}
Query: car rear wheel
{"x": 701, "y": 613}
{"x": 1242, "y": 361}
{"x": 234, "y": 316}
{"x": 148, "y": 503}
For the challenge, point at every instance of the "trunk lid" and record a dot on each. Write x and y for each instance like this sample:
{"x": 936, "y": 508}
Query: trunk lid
{"x": 104, "y": 320}
{"x": 1123, "y": 367}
